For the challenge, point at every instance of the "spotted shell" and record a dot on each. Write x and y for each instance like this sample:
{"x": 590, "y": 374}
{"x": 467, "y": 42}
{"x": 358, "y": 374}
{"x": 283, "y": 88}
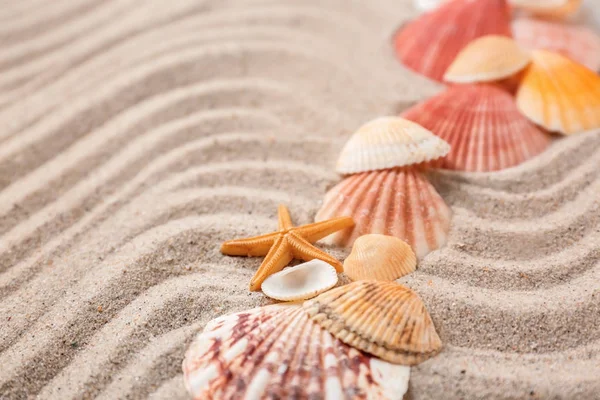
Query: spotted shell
{"x": 429, "y": 44}
{"x": 301, "y": 282}
{"x": 559, "y": 94}
{"x": 397, "y": 202}
{"x": 483, "y": 125}
{"x": 385, "y": 319}
{"x": 277, "y": 352}
{"x": 389, "y": 142}
{"x": 379, "y": 257}
{"x": 489, "y": 58}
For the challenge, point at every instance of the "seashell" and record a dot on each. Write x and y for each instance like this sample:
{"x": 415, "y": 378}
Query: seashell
{"x": 485, "y": 129}
{"x": 385, "y": 319}
{"x": 397, "y": 202}
{"x": 379, "y": 257}
{"x": 579, "y": 43}
{"x": 430, "y": 43}
{"x": 301, "y": 282}
{"x": 389, "y": 142}
{"x": 489, "y": 58}
{"x": 554, "y": 9}
{"x": 427, "y": 5}
{"x": 277, "y": 352}
{"x": 559, "y": 94}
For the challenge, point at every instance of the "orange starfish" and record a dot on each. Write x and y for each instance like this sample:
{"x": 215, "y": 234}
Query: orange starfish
{"x": 287, "y": 243}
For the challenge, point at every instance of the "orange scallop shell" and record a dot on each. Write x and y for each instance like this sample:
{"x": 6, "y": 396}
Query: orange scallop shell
{"x": 397, "y": 202}
{"x": 379, "y": 257}
{"x": 430, "y": 43}
{"x": 487, "y": 59}
{"x": 385, "y": 319}
{"x": 483, "y": 125}
{"x": 579, "y": 43}
{"x": 560, "y": 94}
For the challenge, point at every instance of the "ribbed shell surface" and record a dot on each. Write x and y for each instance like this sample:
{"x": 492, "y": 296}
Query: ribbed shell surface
{"x": 379, "y": 257}
{"x": 430, "y": 43}
{"x": 381, "y": 318}
{"x": 398, "y": 202}
{"x": 560, "y": 94}
{"x": 389, "y": 142}
{"x": 579, "y": 43}
{"x": 484, "y": 127}
{"x": 277, "y": 352}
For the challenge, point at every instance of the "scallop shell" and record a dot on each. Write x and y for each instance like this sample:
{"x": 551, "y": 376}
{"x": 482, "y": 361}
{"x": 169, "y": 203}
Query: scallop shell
{"x": 277, "y": 352}
{"x": 385, "y": 319}
{"x": 489, "y": 58}
{"x": 301, "y": 282}
{"x": 579, "y": 43}
{"x": 559, "y": 94}
{"x": 389, "y": 142}
{"x": 397, "y": 202}
{"x": 556, "y": 9}
{"x": 430, "y": 43}
{"x": 379, "y": 257}
{"x": 484, "y": 127}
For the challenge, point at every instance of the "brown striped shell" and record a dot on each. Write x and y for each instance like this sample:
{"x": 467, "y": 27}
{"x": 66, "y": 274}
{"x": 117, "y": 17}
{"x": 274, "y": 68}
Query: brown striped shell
{"x": 483, "y": 125}
{"x": 277, "y": 352}
{"x": 379, "y": 257}
{"x": 397, "y": 202}
{"x": 385, "y": 319}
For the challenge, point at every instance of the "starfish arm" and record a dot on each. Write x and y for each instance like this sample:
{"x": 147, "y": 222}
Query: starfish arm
{"x": 318, "y": 230}
{"x": 285, "y": 221}
{"x": 304, "y": 250}
{"x": 278, "y": 257}
{"x": 253, "y": 246}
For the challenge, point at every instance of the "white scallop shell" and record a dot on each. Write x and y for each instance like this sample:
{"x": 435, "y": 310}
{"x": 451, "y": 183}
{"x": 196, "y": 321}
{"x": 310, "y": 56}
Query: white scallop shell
{"x": 301, "y": 282}
{"x": 389, "y": 142}
{"x": 278, "y": 352}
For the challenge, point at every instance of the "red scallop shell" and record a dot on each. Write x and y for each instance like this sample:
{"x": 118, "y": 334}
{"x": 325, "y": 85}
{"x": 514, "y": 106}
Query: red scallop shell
{"x": 429, "y": 44}
{"x": 483, "y": 125}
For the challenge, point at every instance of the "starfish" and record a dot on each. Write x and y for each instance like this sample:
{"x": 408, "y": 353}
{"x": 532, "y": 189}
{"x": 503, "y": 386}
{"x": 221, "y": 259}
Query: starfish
{"x": 287, "y": 243}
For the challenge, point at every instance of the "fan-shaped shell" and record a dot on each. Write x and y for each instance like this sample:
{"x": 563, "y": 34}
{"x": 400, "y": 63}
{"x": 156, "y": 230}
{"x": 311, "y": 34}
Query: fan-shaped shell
{"x": 559, "y": 94}
{"x": 301, "y": 282}
{"x": 389, "y": 142}
{"x": 379, "y": 257}
{"x": 556, "y": 9}
{"x": 277, "y": 352}
{"x": 484, "y": 127}
{"x": 397, "y": 202}
{"x": 579, "y": 43}
{"x": 381, "y": 318}
{"x": 489, "y": 58}
{"x": 430, "y": 43}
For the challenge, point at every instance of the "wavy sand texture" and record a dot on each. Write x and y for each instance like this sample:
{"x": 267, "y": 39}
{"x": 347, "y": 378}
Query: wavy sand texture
{"x": 133, "y": 140}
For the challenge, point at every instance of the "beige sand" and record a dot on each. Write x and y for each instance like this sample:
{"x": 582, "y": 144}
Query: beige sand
{"x": 133, "y": 140}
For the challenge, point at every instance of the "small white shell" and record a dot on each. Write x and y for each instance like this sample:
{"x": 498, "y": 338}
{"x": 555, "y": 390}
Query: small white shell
{"x": 300, "y": 282}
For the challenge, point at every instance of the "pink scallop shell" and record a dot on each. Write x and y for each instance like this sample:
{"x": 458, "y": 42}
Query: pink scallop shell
{"x": 397, "y": 202}
{"x": 483, "y": 125}
{"x": 430, "y": 43}
{"x": 579, "y": 43}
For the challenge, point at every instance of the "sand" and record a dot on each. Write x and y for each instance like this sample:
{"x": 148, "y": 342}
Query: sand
{"x": 133, "y": 140}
